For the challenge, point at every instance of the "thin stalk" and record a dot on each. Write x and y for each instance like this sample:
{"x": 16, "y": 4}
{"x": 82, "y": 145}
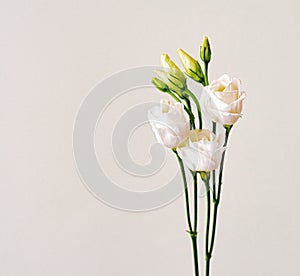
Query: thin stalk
{"x": 195, "y": 253}
{"x": 214, "y": 185}
{"x": 205, "y": 74}
{"x": 214, "y": 127}
{"x": 205, "y": 178}
{"x": 217, "y": 201}
{"x": 191, "y": 115}
{"x": 186, "y": 191}
{"x": 214, "y": 130}
{"x": 192, "y": 233}
{"x": 194, "y": 98}
{"x": 195, "y": 202}
{"x": 187, "y": 108}
{"x": 174, "y": 96}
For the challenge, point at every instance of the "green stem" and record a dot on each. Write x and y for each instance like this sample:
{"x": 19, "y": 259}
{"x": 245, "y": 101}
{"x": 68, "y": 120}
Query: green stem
{"x": 192, "y": 233}
{"x": 194, "y": 236}
{"x": 205, "y": 178}
{"x": 194, "y": 98}
{"x": 214, "y": 127}
{"x": 191, "y": 115}
{"x": 214, "y": 185}
{"x": 186, "y": 191}
{"x": 214, "y": 130}
{"x": 186, "y": 108}
{"x": 195, "y": 253}
{"x": 205, "y": 74}
{"x": 174, "y": 96}
{"x": 217, "y": 201}
{"x": 195, "y": 202}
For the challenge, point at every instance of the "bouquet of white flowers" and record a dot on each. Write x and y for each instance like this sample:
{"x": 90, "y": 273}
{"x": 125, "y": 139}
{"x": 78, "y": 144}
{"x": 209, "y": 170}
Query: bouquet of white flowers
{"x": 179, "y": 126}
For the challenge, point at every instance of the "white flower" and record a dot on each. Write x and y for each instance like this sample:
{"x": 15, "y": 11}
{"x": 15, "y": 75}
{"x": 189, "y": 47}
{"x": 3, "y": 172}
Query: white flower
{"x": 203, "y": 151}
{"x": 225, "y": 101}
{"x": 170, "y": 123}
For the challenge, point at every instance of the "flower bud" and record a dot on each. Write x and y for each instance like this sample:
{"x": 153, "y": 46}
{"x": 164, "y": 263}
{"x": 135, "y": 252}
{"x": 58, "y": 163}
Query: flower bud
{"x": 172, "y": 76}
{"x": 191, "y": 66}
{"x": 205, "y": 52}
{"x": 160, "y": 85}
{"x": 172, "y": 80}
{"x": 167, "y": 63}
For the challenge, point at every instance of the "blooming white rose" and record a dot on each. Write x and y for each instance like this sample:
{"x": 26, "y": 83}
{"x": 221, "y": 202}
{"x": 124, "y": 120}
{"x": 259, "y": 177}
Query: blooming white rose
{"x": 170, "y": 123}
{"x": 203, "y": 151}
{"x": 225, "y": 100}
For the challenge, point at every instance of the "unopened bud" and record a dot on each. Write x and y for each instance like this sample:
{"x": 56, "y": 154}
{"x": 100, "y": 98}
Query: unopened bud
{"x": 205, "y": 51}
{"x": 191, "y": 66}
{"x": 160, "y": 85}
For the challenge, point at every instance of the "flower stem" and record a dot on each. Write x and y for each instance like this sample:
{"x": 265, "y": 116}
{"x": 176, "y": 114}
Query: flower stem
{"x": 174, "y": 96}
{"x": 205, "y": 178}
{"x": 195, "y": 202}
{"x": 191, "y": 115}
{"x": 195, "y": 253}
{"x": 194, "y": 98}
{"x": 205, "y": 73}
{"x": 186, "y": 191}
{"x": 214, "y": 130}
{"x": 217, "y": 200}
{"x": 194, "y": 238}
{"x": 187, "y": 108}
{"x": 192, "y": 233}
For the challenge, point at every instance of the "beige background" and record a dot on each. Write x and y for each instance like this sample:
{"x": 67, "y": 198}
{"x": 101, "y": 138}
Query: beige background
{"x": 53, "y": 52}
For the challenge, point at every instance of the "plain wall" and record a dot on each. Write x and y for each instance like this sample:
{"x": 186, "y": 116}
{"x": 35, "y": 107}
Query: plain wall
{"x": 53, "y": 52}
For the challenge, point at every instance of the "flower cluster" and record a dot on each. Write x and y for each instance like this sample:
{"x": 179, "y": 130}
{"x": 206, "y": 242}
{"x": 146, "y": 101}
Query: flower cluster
{"x": 177, "y": 126}
{"x": 200, "y": 149}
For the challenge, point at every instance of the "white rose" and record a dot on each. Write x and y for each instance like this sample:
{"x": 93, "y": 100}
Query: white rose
{"x": 203, "y": 151}
{"x": 225, "y": 100}
{"x": 170, "y": 123}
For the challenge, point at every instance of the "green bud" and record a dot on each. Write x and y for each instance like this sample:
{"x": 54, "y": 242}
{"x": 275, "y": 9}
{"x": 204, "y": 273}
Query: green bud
{"x": 191, "y": 66}
{"x": 205, "y": 52}
{"x": 160, "y": 85}
{"x": 172, "y": 80}
{"x": 168, "y": 63}
{"x": 205, "y": 176}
